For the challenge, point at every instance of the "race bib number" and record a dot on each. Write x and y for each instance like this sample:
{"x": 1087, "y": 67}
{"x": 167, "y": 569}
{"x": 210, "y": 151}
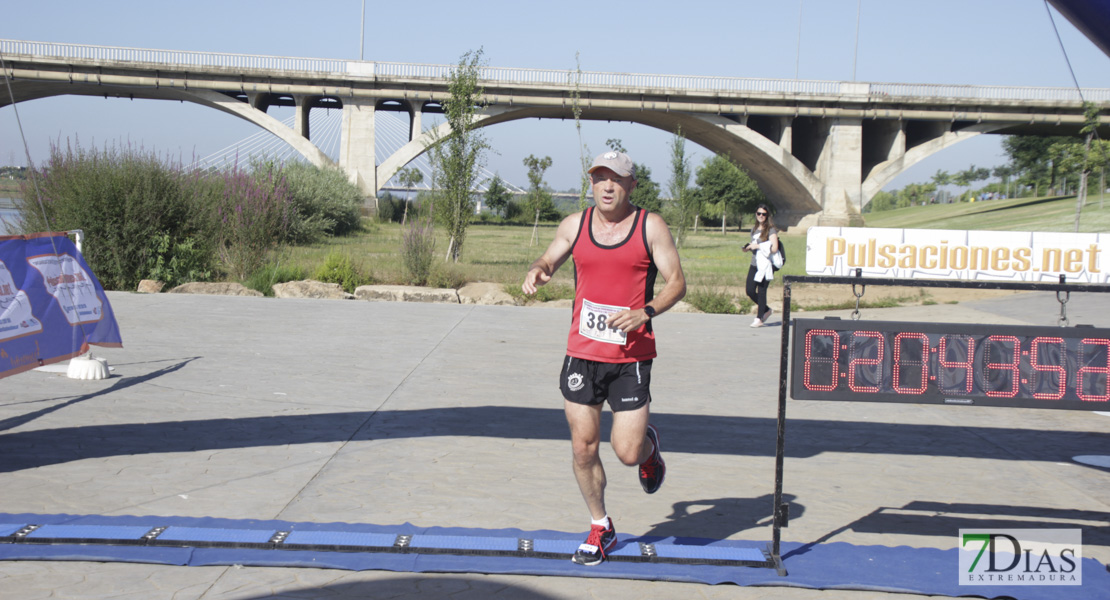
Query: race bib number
{"x": 593, "y": 322}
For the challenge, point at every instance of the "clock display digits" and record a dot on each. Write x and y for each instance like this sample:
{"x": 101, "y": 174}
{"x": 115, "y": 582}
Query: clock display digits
{"x": 951, "y": 363}
{"x": 1094, "y": 355}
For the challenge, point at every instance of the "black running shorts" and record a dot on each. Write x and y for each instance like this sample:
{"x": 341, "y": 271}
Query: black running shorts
{"x": 625, "y": 385}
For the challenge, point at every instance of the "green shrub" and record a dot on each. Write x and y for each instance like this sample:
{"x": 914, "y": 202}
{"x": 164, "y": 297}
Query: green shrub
{"x": 176, "y": 262}
{"x": 388, "y": 207}
{"x": 715, "y": 302}
{"x": 324, "y": 203}
{"x": 417, "y": 246}
{"x": 339, "y": 268}
{"x": 513, "y": 211}
{"x": 252, "y": 215}
{"x": 447, "y": 277}
{"x": 270, "y": 275}
{"x": 130, "y": 205}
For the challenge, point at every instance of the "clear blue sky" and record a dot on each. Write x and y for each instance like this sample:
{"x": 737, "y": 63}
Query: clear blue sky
{"x": 985, "y": 42}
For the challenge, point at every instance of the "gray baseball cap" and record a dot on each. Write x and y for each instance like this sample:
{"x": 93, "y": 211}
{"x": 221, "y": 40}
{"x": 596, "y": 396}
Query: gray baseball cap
{"x": 618, "y": 162}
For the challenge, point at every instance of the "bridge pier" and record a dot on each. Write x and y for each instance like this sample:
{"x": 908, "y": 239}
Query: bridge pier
{"x": 300, "y": 122}
{"x": 839, "y": 167}
{"x": 356, "y": 150}
{"x": 416, "y": 113}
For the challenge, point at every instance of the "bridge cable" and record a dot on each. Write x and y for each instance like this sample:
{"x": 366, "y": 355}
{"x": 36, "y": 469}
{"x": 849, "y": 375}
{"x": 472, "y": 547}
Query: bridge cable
{"x": 1079, "y": 90}
{"x": 1064, "y": 51}
{"x": 1067, "y": 60}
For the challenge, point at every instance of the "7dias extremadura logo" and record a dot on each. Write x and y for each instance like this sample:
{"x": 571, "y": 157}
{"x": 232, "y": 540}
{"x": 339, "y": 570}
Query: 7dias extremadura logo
{"x": 1021, "y": 557}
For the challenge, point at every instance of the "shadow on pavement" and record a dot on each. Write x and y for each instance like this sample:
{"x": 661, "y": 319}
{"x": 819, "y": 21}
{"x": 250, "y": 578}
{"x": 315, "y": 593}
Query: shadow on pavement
{"x": 413, "y": 586}
{"x": 123, "y": 383}
{"x": 719, "y": 518}
{"x": 945, "y": 519}
{"x": 698, "y": 434}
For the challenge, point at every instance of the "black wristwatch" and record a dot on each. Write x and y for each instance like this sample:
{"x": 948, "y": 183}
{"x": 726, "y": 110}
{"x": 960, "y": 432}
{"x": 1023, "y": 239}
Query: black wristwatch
{"x": 649, "y": 311}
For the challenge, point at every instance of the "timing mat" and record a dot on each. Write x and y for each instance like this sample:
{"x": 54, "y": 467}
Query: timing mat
{"x": 406, "y": 548}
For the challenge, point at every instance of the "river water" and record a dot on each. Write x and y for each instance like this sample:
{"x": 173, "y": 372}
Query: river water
{"x": 8, "y": 216}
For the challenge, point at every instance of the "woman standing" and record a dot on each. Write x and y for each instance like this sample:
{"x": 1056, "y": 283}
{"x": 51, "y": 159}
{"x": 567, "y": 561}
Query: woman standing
{"x": 765, "y": 242}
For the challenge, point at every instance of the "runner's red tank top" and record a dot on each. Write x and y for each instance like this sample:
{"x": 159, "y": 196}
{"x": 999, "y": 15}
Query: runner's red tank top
{"x": 608, "y": 279}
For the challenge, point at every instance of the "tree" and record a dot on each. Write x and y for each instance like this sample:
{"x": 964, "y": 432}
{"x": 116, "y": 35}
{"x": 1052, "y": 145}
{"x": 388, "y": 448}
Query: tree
{"x": 538, "y": 199}
{"x": 915, "y": 194}
{"x": 497, "y": 195}
{"x": 1004, "y": 173}
{"x": 460, "y": 155}
{"x": 686, "y": 202}
{"x": 970, "y": 175}
{"x": 725, "y": 190}
{"x": 646, "y": 194}
{"x": 1100, "y": 159}
{"x": 409, "y": 178}
{"x": 1031, "y": 159}
{"x": 941, "y": 178}
{"x": 1090, "y": 125}
{"x": 882, "y": 200}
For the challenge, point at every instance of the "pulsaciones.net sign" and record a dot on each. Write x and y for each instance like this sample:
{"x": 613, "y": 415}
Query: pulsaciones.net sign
{"x": 957, "y": 254}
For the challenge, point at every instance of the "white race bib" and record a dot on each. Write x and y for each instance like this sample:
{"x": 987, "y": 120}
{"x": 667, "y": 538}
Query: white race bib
{"x": 593, "y": 322}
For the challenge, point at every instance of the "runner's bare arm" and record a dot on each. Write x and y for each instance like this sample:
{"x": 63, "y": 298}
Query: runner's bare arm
{"x": 557, "y": 252}
{"x": 665, "y": 255}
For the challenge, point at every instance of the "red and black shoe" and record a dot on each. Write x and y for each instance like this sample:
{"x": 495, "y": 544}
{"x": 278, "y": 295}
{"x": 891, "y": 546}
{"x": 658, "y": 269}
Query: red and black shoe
{"x": 653, "y": 469}
{"x": 600, "y": 541}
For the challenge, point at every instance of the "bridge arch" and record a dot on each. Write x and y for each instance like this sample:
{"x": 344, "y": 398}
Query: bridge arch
{"x": 886, "y": 171}
{"x": 245, "y": 110}
{"x": 789, "y": 184}
{"x": 238, "y": 104}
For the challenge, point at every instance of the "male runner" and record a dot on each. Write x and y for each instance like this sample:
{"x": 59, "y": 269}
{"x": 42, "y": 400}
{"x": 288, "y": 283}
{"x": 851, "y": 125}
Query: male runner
{"x": 618, "y": 249}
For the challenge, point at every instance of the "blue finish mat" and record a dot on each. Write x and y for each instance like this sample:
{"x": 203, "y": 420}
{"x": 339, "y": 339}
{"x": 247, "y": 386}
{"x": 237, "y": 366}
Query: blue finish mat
{"x": 208, "y": 541}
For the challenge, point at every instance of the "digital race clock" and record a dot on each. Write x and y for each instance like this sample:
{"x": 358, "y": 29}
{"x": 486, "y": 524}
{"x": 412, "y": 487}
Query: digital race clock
{"x": 951, "y": 363}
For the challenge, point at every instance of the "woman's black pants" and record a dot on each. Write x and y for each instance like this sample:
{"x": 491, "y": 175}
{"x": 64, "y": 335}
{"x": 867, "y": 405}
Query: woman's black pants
{"x": 757, "y": 291}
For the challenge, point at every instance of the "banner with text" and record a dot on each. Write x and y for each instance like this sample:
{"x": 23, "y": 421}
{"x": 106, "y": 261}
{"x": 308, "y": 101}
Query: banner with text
{"x": 955, "y": 254}
{"x": 51, "y": 305}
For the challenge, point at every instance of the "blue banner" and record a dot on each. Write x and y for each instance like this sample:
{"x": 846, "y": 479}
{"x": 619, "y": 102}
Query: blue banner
{"x": 52, "y": 307}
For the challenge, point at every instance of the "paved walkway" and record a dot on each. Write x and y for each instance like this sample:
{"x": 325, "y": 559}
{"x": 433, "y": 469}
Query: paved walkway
{"x": 318, "y": 410}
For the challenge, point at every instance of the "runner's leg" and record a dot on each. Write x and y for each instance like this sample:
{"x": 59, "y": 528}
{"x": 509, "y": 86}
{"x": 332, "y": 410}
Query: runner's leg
{"x": 629, "y": 435}
{"x": 585, "y": 436}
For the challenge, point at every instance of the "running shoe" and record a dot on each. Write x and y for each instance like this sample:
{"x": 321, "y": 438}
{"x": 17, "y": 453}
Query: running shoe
{"x": 597, "y": 545}
{"x": 756, "y": 323}
{"x": 653, "y": 469}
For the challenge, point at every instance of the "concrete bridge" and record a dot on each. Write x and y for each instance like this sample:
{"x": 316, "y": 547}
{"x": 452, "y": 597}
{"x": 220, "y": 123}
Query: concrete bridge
{"x": 820, "y": 150}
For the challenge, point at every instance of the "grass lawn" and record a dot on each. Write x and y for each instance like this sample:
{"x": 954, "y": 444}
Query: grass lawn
{"x": 714, "y": 265}
{"x": 1016, "y": 214}
{"x": 502, "y": 253}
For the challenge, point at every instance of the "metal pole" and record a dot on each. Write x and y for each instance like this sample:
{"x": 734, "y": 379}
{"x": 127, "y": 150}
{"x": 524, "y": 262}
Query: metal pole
{"x": 781, "y": 511}
{"x": 855, "y": 54}
{"x": 362, "y": 31}
{"x": 798, "y": 52}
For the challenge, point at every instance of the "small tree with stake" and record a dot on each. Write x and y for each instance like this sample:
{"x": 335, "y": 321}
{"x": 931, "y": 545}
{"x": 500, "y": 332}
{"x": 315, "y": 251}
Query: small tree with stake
{"x": 538, "y": 199}
{"x": 409, "y": 178}
{"x": 460, "y": 155}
